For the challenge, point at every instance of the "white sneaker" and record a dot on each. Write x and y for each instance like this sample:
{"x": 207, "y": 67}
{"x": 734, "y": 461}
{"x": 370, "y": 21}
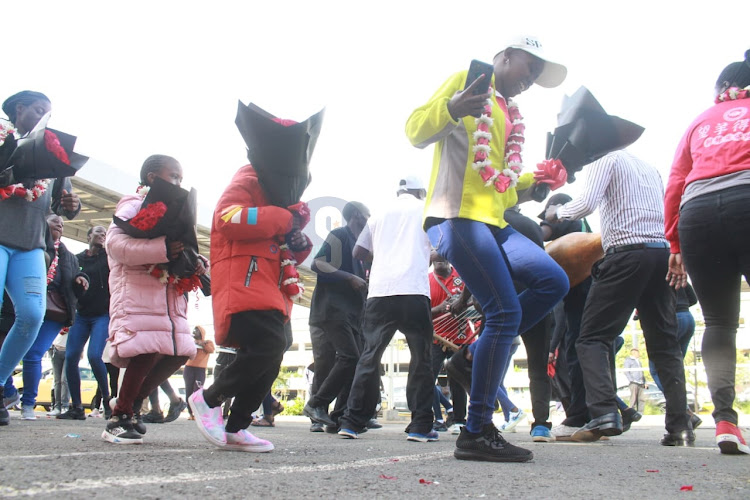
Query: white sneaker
{"x": 95, "y": 413}
{"x": 27, "y": 413}
{"x": 563, "y": 432}
{"x": 55, "y": 412}
{"x": 210, "y": 420}
{"x": 245, "y": 441}
{"x": 455, "y": 429}
{"x": 514, "y": 418}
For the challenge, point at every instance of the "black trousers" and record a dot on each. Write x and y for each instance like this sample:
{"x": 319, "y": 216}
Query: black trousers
{"x": 194, "y": 377}
{"x": 345, "y": 339}
{"x": 577, "y": 413}
{"x": 458, "y": 393}
{"x": 536, "y": 341}
{"x": 260, "y": 335}
{"x": 715, "y": 244}
{"x": 622, "y": 282}
{"x": 223, "y": 359}
{"x": 410, "y": 314}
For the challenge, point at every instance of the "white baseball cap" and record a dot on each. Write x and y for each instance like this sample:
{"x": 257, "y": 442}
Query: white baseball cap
{"x": 553, "y": 74}
{"x": 411, "y": 182}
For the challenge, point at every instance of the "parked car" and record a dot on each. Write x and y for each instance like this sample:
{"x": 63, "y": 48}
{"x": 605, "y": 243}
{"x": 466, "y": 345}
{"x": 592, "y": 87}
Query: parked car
{"x": 45, "y": 394}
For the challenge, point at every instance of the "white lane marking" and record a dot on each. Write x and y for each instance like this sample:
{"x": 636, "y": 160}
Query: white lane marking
{"x": 45, "y": 488}
{"x": 95, "y": 453}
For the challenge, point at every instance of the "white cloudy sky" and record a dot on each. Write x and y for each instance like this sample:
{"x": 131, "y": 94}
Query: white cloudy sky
{"x": 165, "y": 76}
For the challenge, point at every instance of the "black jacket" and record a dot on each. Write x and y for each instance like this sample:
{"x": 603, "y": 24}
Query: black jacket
{"x": 95, "y": 302}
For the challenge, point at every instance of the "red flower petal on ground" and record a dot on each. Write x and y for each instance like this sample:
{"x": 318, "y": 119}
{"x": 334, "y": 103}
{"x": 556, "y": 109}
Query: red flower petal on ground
{"x": 424, "y": 481}
{"x": 383, "y": 476}
{"x": 688, "y": 487}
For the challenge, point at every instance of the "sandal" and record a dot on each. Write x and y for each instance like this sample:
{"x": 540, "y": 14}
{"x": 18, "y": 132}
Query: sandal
{"x": 276, "y": 408}
{"x": 262, "y": 422}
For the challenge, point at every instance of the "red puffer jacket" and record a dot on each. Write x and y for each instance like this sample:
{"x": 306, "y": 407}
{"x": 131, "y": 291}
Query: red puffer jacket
{"x": 245, "y": 256}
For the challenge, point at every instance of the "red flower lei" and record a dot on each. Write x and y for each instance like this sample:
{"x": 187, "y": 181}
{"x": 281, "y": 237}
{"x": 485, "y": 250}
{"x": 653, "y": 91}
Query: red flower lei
{"x": 513, "y": 164}
{"x": 53, "y": 265}
{"x": 732, "y": 94}
{"x": 182, "y": 285}
{"x": 30, "y": 194}
{"x": 5, "y": 131}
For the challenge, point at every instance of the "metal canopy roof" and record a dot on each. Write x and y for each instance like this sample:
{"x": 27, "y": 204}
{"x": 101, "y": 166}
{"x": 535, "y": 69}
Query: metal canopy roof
{"x": 98, "y": 206}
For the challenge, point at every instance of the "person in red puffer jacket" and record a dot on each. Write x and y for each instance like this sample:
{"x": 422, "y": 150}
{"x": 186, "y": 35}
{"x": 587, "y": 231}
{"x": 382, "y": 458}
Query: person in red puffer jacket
{"x": 256, "y": 240}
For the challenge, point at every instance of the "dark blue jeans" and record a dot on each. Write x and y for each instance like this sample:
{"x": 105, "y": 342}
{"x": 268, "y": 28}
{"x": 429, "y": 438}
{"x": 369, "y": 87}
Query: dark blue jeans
{"x": 95, "y": 330}
{"x": 685, "y": 331}
{"x": 715, "y": 242}
{"x": 489, "y": 259}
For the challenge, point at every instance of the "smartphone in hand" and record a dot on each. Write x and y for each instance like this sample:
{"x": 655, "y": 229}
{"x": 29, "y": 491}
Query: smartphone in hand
{"x": 477, "y": 68}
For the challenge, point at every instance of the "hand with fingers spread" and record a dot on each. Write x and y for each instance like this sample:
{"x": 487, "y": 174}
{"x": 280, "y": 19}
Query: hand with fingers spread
{"x": 465, "y": 103}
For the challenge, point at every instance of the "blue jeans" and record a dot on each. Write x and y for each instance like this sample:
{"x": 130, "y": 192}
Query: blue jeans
{"x": 502, "y": 393}
{"x": 685, "y": 331}
{"x": 95, "y": 329}
{"x": 24, "y": 277}
{"x": 32, "y": 363}
{"x": 489, "y": 259}
{"x": 440, "y": 399}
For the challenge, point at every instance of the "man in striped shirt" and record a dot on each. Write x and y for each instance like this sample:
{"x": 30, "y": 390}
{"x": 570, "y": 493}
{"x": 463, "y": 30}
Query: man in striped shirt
{"x": 631, "y": 275}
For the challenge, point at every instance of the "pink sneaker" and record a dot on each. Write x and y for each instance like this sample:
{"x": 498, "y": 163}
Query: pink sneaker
{"x": 729, "y": 438}
{"x": 210, "y": 421}
{"x": 244, "y": 441}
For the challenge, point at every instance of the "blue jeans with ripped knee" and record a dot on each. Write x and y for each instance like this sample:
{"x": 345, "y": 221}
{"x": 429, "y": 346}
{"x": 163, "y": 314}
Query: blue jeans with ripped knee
{"x": 24, "y": 276}
{"x": 489, "y": 259}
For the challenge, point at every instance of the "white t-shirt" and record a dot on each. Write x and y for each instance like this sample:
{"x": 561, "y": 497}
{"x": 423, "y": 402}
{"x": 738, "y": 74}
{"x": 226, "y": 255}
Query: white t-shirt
{"x": 400, "y": 249}
{"x": 60, "y": 342}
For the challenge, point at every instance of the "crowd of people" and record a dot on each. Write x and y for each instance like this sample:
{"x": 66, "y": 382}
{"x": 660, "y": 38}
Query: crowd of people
{"x": 492, "y": 284}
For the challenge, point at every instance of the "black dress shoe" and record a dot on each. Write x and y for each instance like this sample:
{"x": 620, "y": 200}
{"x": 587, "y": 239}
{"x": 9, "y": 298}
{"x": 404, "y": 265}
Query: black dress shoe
{"x": 629, "y": 416}
{"x": 318, "y": 415}
{"x": 374, "y": 424}
{"x": 606, "y": 425}
{"x": 459, "y": 369}
{"x": 682, "y": 438}
{"x": 695, "y": 421}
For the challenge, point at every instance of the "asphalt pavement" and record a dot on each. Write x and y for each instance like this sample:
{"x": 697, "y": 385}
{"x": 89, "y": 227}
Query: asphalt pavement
{"x": 67, "y": 459}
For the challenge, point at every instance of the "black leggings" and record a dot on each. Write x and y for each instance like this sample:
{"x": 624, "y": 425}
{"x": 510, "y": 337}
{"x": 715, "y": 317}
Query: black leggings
{"x": 715, "y": 242}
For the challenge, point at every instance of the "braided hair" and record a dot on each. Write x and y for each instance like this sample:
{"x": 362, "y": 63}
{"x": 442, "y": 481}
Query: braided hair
{"x": 25, "y": 97}
{"x": 736, "y": 74}
{"x": 154, "y": 163}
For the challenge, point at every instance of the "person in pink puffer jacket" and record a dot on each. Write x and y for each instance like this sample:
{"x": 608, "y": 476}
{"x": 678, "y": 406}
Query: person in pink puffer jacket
{"x": 148, "y": 329}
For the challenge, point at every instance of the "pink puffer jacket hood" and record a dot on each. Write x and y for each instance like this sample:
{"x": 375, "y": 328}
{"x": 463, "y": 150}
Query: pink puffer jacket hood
{"x": 146, "y": 316}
